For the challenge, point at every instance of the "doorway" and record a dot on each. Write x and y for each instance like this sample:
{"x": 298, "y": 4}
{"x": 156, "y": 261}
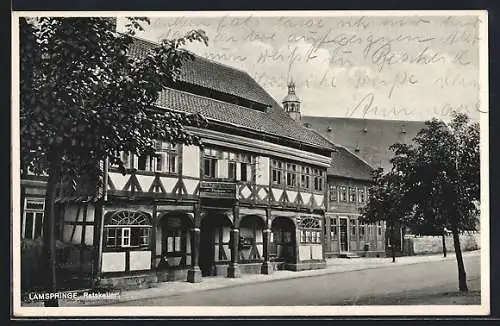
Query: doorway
{"x": 343, "y": 235}
{"x": 214, "y": 242}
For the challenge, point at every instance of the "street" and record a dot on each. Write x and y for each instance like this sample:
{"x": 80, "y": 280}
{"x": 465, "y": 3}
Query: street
{"x": 403, "y": 284}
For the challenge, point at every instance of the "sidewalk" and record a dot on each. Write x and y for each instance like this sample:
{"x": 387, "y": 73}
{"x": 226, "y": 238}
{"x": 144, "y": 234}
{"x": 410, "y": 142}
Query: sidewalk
{"x": 334, "y": 265}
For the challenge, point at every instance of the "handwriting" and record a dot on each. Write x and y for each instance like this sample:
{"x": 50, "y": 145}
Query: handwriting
{"x": 369, "y": 61}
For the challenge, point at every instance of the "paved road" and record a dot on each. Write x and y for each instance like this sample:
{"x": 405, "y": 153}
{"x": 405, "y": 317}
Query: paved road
{"x": 350, "y": 288}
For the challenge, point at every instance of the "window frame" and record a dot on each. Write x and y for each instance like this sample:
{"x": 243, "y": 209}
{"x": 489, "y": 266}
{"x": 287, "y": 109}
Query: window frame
{"x": 37, "y": 214}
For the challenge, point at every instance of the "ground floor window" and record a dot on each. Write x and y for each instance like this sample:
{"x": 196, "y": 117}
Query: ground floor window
{"x": 33, "y": 218}
{"x": 310, "y": 231}
{"x": 175, "y": 240}
{"x": 127, "y": 229}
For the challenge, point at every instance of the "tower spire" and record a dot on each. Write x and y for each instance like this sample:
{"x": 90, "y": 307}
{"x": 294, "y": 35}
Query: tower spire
{"x": 291, "y": 102}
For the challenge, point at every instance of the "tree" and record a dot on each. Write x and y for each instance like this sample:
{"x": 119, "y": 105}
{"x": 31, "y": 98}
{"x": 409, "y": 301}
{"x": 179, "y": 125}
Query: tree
{"x": 84, "y": 98}
{"x": 441, "y": 174}
{"x": 386, "y": 203}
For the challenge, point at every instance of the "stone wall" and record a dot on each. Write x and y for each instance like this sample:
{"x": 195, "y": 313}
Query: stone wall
{"x": 420, "y": 245}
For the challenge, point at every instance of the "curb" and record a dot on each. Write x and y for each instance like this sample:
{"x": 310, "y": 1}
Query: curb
{"x": 323, "y": 272}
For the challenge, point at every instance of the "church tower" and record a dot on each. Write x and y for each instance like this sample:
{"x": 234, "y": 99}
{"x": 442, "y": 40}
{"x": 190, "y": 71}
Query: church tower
{"x": 291, "y": 103}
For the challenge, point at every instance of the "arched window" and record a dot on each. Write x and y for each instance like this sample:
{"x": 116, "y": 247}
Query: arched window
{"x": 310, "y": 230}
{"x": 127, "y": 229}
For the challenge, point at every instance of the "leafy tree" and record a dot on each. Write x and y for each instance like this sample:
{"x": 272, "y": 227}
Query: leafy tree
{"x": 386, "y": 203}
{"x": 441, "y": 174}
{"x": 84, "y": 98}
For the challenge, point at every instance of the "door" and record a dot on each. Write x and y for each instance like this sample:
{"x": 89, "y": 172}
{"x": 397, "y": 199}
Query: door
{"x": 206, "y": 259}
{"x": 343, "y": 235}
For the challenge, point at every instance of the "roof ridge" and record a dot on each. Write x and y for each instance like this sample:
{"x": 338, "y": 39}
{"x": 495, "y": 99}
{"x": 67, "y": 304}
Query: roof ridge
{"x": 194, "y": 54}
{"x": 369, "y": 119}
{"x": 213, "y": 99}
{"x": 235, "y": 124}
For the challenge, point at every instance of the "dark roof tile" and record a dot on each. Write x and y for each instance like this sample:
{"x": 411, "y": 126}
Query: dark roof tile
{"x": 229, "y": 80}
{"x": 369, "y": 139}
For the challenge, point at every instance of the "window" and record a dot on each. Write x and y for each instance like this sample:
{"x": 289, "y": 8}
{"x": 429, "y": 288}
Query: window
{"x": 361, "y": 231}
{"x": 243, "y": 173}
{"x": 361, "y": 195}
{"x": 125, "y": 229}
{"x": 310, "y": 230}
{"x": 305, "y": 177}
{"x": 163, "y": 160}
{"x": 231, "y": 170}
{"x": 333, "y": 193}
{"x": 318, "y": 179}
{"x": 353, "y": 227}
{"x": 291, "y": 175}
{"x": 277, "y": 167}
{"x": 210, "y": 167}
{"x": 33, "y": 218}
{"x": 352, "y": 195}
{"x": 343, "y": 193}
{"x": 333, "y": 228}
{"x": 174, "y": 241}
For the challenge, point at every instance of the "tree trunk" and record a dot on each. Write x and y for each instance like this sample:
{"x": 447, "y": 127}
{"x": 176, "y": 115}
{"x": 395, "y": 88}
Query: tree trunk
{"x": 49, "y": 234}
{"x": 462, "y": 280}
{"x": 393, "y": 247}
{"x": 443, "y": 236}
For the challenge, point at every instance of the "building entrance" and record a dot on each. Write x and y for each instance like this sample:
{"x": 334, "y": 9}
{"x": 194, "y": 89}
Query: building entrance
{"x": 343, "y": 235}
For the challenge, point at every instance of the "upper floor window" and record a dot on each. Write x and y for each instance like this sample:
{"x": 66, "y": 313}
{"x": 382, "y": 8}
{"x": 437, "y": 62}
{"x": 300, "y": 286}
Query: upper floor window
{"x": 305, "y": 177}
{"x": 223, "y": 164}
{"x": 291, "y": 175}
{"x": 343, "y": 193}
{"x": 333, "y": 193}
{"x": 361, "y": 195}
{"x": 165, "y": 159}
{"x": 319, "y": 179}
{"x": 277, "y": 172}
{"x": 352, "y": 194}
{"x": 210, "y": 163}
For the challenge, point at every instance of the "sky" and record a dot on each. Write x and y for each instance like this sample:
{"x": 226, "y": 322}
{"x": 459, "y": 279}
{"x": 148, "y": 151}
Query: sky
{"x": 383, "y": 67}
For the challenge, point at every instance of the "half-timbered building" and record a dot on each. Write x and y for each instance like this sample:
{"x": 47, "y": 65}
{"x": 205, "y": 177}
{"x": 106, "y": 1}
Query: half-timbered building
{"x": 252, "y": 200}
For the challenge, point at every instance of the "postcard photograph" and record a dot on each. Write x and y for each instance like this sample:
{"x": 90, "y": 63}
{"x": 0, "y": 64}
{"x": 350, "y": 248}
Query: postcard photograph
{"x": 245, "y": 163}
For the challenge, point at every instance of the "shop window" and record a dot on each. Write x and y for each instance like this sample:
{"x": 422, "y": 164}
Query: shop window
{"x": 33, "y": 218}
{"x": 175, "y": 240}
{"x": 310, "y": 230}
{"x": 333, "y": 193}
{"x": 125, "y": 229}
{"x": 352, "y": 195}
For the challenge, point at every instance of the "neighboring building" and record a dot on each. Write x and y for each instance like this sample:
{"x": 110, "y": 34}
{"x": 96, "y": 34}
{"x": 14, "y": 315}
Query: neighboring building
{"x": 252, "y": 201}
{"x": 349, "y": 178}
{"x": 368, "y": 139}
